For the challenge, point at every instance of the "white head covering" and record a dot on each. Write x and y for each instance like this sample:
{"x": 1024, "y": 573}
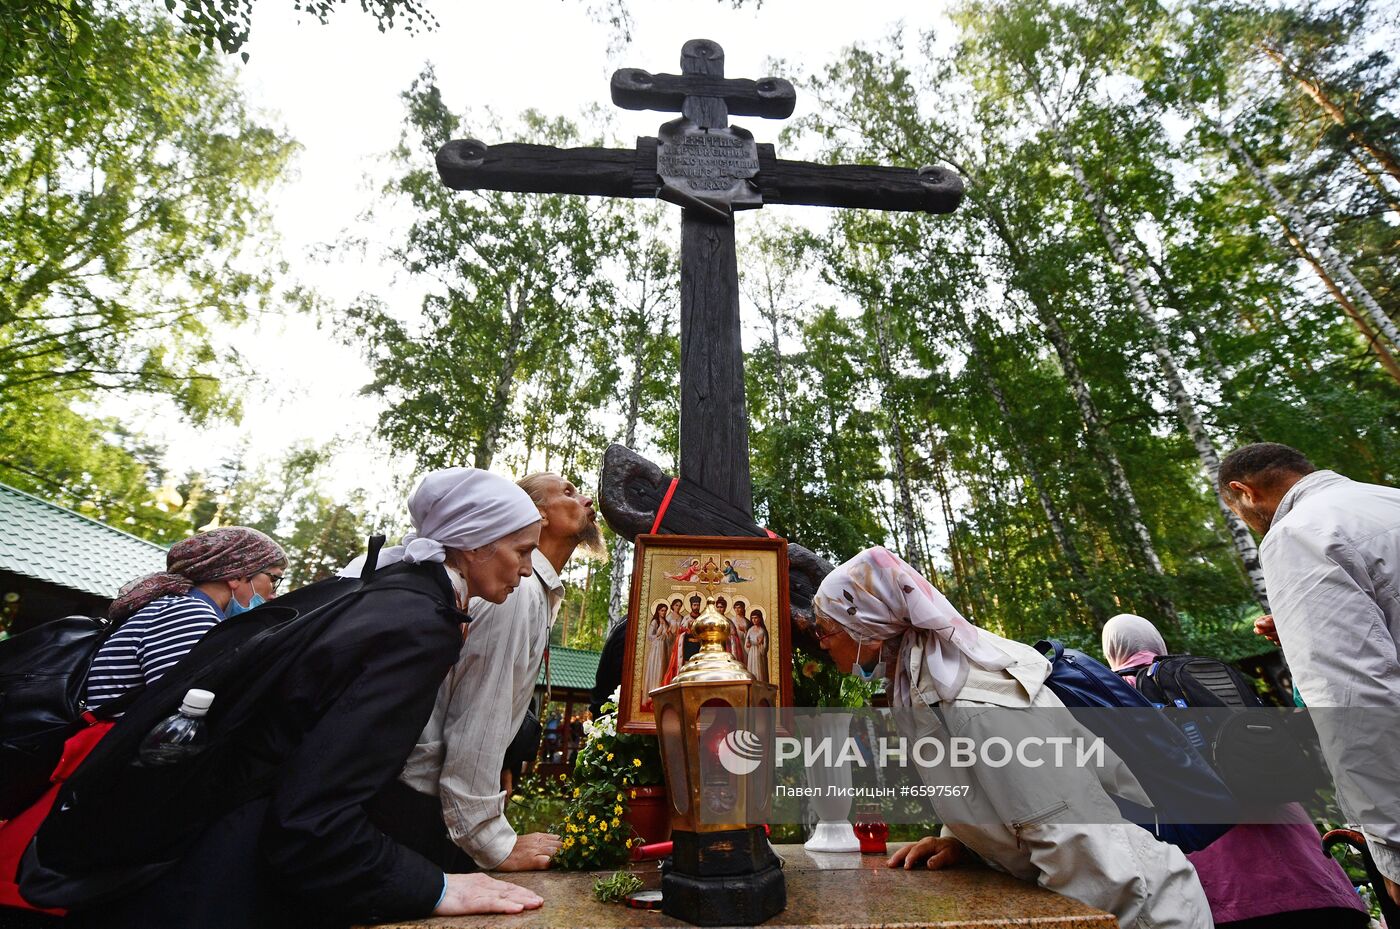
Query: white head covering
{"x": 876, "y": 595}
{"x": 461, "y": 508}
{"x": 1130, "y": 640}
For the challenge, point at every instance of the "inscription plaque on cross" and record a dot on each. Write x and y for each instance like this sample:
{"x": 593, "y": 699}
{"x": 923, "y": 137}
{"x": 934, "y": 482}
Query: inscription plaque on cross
{"x": 710, "y": 169}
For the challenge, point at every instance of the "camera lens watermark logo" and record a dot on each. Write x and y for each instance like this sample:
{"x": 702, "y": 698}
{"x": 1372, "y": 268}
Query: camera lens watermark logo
{"x": 740, "y": 752}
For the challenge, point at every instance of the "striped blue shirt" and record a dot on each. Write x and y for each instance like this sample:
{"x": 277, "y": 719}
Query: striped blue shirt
{"x": 148, "y": 644}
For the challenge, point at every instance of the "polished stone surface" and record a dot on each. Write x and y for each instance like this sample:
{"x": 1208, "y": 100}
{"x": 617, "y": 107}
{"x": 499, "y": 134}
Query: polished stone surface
{"x": 838, "y": 890}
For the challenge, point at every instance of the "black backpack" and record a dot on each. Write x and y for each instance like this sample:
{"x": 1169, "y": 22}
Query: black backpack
{"x": 1180, "y": 782}
{"x": 101, "y": 841}
{"x": 43, "y": 673}
{"x": 1230, "y": 725}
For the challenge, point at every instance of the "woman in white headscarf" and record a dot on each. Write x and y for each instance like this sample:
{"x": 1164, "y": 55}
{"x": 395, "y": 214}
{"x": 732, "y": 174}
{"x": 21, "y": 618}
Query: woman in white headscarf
{"x": 1059, "y": 829}
{"x": 336, "y": 727}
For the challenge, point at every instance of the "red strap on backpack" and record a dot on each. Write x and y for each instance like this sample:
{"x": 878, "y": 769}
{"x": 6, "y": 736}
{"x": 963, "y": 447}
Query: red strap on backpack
{"x": 16, "y": 834}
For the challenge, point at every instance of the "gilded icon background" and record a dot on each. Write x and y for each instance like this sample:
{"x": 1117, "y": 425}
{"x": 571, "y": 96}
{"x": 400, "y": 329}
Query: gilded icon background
{"x": 672, "y": 577}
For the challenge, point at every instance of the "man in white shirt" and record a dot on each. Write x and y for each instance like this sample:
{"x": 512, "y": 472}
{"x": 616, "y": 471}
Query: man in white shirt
{"x": 479, "y": 709}
{"x": 1331, "y": 555}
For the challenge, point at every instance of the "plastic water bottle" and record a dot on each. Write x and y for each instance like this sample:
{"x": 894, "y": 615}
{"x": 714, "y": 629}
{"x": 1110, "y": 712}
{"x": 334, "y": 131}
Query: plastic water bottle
{"x": 180, "y": 736}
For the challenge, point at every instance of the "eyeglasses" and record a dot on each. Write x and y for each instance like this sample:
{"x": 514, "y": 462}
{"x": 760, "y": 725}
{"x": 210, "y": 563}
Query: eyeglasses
{"x": 824, "y": 628}
{"x": 276, "y": 579}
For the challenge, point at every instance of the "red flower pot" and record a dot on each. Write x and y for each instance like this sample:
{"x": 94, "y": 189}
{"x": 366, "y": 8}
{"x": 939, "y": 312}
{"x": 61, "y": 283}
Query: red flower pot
{"x": 648, "y": 813}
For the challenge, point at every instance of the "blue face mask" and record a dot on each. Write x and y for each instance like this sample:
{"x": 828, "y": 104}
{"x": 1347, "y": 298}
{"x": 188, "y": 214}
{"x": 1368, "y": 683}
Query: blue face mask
{"x": 234, "y": 607}
{"x": 876, "y": 672}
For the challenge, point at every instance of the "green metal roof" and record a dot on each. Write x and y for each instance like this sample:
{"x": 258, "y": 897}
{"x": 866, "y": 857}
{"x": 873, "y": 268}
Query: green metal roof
{"x": 570, "y": 668}
{"x": 49, "y": 543}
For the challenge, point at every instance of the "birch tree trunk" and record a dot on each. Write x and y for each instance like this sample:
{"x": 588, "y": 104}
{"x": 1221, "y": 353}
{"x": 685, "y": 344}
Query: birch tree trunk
{"x": 913, "y": 551}
{"x": 1100, "y": 443}
{"x": 1314, "y": 89}
{"x": 1373, "y": 341}
{"x": 1176, "y": 385}
{"x": 505, "y": 381}
{"x": 1063, "y": 539}
{"x": 1334, "y": 263}
{"x": 617, "y": 579}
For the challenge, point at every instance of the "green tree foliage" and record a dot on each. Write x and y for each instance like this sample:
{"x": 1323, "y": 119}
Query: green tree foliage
{"x": 92, "y": 466}
{"x": 130, "y": 201}
{"x": 1005, "y": 317}
{"x": 62, "y": 28}
{"x": 513, "y": 278}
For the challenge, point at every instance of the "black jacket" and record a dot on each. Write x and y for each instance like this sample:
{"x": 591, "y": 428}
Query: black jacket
{"x": 338, "y": 726}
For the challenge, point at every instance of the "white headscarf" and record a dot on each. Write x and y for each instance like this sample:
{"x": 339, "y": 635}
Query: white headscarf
{"x": 876, "y": 595}
{"x": 461, "y": 508}
{"x": 1129, "y": 641}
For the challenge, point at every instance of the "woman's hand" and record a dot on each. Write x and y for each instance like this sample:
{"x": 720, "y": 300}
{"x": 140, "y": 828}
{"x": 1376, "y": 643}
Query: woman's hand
{"x": 477, "y": 893}
{"x": 931, "y": 851}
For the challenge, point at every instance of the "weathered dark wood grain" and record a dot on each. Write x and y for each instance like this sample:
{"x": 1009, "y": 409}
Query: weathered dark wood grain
{"x": 714, "y": 422}
{"x": 635, "y": 89}
{"x": 705, "y": 59}
{"x": 631, "y": 488}
{"x": 716, "y": 495}
{"x": 866, "y": 187}
{"x": 466, "y": 164}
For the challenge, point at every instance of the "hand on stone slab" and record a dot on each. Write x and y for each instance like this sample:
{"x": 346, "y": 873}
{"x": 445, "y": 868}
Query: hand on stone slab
{"x": 478, "y": 893}
{"x": 932, "y": 852}
{"x": 532, "y": 852}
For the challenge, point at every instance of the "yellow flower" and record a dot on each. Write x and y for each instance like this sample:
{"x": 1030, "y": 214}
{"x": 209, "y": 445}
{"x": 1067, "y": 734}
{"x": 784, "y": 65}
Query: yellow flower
{"x": 636, "y": 762}
{"x": 573, "y": 828}
{"x": 576, "y": 790}
{"x": 619, "y": 795}
{"x": 618, "y": 809}
{"x": 616, "y": 822}
{"x": 610, "y": 756}
{"x": 603, "y": 825}
{"x": 583, "y": 840}
{"x": 592, "y": 818}
{"x": 567, "y": 843}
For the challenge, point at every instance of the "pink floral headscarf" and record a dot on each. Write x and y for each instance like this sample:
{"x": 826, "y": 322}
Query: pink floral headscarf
{"x": 877, "y": 596}
{"x": 216, "y": 555}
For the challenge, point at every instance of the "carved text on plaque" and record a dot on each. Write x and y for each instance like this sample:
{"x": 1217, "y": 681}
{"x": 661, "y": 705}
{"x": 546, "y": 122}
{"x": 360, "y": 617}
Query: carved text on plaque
{"x": 714, "y": 166}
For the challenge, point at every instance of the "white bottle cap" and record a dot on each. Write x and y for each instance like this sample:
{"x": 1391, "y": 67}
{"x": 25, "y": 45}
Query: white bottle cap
{"x": 196, "y": 702}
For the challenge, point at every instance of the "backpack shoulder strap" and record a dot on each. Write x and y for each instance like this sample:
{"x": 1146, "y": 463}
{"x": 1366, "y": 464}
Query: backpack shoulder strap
{"x": 1052, "y": 649}
{"x": 376, "y": 542}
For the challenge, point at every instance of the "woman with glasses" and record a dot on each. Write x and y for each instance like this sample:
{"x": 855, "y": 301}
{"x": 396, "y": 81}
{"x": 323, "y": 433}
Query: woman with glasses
{"x": 1057, "y": 826}
{"x": 208, "y": 578}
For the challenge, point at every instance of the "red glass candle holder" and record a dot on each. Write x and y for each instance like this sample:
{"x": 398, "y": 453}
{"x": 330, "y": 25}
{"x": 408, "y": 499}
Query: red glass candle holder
{"x": 871, "y": 830}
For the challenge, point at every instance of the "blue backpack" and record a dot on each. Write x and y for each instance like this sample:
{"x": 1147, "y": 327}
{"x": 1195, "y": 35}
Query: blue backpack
{"x": 1180, "y": 782}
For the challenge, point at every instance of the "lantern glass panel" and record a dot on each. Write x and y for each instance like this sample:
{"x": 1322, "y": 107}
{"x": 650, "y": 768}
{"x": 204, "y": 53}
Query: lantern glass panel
{"x": 673, "y": 750}
{"x": 720, "y": 742}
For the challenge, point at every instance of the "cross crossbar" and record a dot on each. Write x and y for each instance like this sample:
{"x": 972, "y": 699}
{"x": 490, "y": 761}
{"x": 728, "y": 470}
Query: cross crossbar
{"x": 770, "y": 98}
{"x": 711, "y": 169}
{"x": 466, "y": 164}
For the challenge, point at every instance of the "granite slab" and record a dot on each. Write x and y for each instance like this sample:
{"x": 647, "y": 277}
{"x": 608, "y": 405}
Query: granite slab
{"x": 838, "y": 890}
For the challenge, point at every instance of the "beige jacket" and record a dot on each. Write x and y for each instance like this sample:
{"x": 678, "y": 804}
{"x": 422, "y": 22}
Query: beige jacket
{"x": 1034, "y": 827}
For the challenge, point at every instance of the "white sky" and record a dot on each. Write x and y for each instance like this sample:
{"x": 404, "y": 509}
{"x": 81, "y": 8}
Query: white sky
{"x": 335, "y": 88}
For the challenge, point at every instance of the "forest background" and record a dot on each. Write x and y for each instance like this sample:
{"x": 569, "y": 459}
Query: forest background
{"x": 1179, "y": 236}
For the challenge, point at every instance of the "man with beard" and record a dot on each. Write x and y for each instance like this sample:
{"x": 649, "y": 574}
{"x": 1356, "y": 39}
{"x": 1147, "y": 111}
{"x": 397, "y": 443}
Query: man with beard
{"x": 449, "y": 802}
{"x": 1331, "y": 557}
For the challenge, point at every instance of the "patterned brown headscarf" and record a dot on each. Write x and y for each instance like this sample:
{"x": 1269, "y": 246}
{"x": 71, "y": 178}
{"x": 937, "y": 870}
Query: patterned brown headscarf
{"x": 217, "y": 555}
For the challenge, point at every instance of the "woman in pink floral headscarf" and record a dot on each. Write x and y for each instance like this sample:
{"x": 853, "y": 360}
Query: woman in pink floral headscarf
{"x": 1059, "y": 829}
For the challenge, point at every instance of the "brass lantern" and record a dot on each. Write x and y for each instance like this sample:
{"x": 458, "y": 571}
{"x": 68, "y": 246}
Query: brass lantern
{"x": 714, "y": 722}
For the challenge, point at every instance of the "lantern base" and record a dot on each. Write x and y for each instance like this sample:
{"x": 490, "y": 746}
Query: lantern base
{"x": 729, "y": 878}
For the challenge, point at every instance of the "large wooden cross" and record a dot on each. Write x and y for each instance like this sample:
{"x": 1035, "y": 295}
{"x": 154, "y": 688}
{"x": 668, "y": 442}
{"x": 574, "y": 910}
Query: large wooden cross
{"x": 710, "y": 169}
